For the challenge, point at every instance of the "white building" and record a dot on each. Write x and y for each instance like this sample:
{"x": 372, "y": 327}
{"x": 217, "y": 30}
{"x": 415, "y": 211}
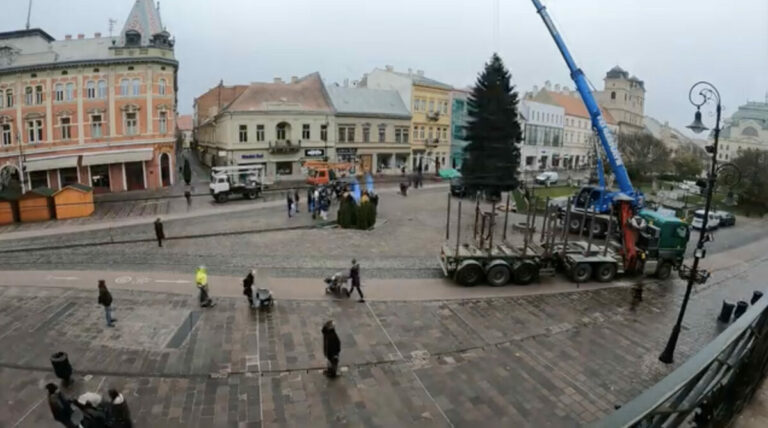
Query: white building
{"x": 746, "y": 129}
{"x": 542, "y": 147}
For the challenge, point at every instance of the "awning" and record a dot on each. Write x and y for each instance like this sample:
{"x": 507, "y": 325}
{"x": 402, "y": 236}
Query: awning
{"x": 104, "y": 158}
{"x": 50, "y": 163}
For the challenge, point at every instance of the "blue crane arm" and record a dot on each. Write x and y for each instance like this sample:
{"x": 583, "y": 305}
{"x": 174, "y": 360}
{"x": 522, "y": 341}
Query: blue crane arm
{"x": 598, "y": 122}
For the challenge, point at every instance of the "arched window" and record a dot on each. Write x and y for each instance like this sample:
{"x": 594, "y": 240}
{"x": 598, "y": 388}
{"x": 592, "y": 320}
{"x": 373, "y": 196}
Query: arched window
{"x": 283, "y": 130}
{"x": 161, "y": 87}
{"x": 69, "y": 92}
{"x": 613, "y": 95}
{"x": 124, "y": 87}
{"x": 102, "y": 89}
{"x": 9, "y": 98}
{"x": 90, "y": 89}
{"x": 136, "y": 84}
{"x": 749, "y": 132}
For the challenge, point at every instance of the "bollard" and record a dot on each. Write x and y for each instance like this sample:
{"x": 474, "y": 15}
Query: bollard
{"x": 741, "y": 307}
{"x": 725, "y": 312}
{"x": 61, "y": 366}
{"x": 756, "y": 295}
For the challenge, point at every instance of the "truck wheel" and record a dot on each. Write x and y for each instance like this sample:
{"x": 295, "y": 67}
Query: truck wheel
{"x": 597, "y": 227}
{"x": 664, "y": 270}
{"x": 605, "y": 272}
{"x": 249, "y": 194}
{"x": 525, "y": 273}
{"x": 498, "y": 275}
{"x": 581, "y": 272}
{"x": 221, "y": 197}
{"x": 469, "y": 275}
{"x": 574, "y": 225}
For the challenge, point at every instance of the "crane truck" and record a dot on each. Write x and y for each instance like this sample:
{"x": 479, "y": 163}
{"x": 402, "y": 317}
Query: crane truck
{"x": 247, "y": 181}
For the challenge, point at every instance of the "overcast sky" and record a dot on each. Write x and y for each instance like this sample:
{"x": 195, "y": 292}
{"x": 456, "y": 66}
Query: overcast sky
{"x": 668, "y": 44}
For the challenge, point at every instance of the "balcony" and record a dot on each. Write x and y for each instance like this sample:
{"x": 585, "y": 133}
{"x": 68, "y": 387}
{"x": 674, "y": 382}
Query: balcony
{"x": 284, "y": 147}
{"x": 433, "y": 116}
{"x": 432, "y": 142}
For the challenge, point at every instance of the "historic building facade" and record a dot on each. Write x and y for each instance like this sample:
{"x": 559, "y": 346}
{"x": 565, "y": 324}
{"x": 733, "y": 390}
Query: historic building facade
{"x": 624, "y": 97}
{"x": 98, "y": 111}
{"x": 542, "y": 147}
{"x": 746, "y": 129}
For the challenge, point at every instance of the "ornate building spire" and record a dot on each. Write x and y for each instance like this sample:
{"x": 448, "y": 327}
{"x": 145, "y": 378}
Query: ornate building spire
{"x": 142, "y": 24}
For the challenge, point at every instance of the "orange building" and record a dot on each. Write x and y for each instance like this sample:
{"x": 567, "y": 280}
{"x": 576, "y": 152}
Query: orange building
{"x": 96, "y": 111}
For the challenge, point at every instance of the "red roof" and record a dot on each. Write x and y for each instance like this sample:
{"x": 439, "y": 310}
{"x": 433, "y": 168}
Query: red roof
{"x": 184, "y": 122}
{"x": 574, "y": 106}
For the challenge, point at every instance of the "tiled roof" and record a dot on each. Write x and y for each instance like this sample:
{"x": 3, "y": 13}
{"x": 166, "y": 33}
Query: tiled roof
{"x": 306, "y": 95}
{"x": 59, "y": 51}
{"x": 419, "y": 79}
{"x": 184, "y": 122}
{"x": 145, "y": 19}
{"x": 574, "y": 106}
{"x": 367, "y": 102}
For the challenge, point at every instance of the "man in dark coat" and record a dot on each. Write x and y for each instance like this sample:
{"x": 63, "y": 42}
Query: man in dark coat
{"x": 159, "y": 234}
{"x": 331, "y": 348}
{"x": 354, "y": 275}
{"x": 105, "y": 299}
{"x": 119, "y": 416}
{"x": 60, "y": 407}
{"x": 248, "y": 287}
{"x": 296, "y": 197}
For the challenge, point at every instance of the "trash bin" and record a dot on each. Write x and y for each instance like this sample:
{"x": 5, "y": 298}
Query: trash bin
{"x": 756, "y": 295}
{"x": 741, "y": 307}
{"x": 61, "y": 366}
{"x": 725, "y": 312}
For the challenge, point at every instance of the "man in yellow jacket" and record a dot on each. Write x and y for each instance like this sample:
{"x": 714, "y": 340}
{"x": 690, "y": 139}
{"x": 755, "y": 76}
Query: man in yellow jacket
{"x": 201, "y": 279}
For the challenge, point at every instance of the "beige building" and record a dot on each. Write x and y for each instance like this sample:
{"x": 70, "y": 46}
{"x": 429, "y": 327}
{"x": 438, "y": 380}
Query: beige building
{"x": 429, "y": 102}
{"x": 746, "y": 129}
{"x": 624, "y": 97}
{"x": 372, "y": 128}
{"x": 279, "y": 125}
{"x": 673, "y": 139}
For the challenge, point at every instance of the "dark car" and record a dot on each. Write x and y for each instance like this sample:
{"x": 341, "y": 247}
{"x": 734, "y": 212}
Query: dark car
{"x": 726, "y": 218}
{"x": 458, "y": 188}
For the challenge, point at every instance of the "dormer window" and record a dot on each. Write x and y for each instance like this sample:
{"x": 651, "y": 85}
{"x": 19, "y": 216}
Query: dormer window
{"x": 132, "y": 38}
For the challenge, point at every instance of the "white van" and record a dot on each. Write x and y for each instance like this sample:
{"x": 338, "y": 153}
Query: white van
{"x": 698, "y": 220}
{"x": 547, "y": 178}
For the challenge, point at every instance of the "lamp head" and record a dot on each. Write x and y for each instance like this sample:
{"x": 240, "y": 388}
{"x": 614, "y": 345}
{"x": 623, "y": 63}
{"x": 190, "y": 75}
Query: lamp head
{"x": 697, "y": 125}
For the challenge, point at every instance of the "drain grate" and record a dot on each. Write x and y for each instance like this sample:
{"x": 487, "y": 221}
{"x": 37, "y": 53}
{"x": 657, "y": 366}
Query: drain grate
{"x": 183, "y": 331}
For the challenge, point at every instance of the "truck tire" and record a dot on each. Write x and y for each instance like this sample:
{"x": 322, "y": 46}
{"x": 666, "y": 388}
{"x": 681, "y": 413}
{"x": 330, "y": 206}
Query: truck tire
{"x": 525, "y": 273}
{"x": 469, "y": 274}
{"x": 498, "y": 274}
{"x": 221, "y": 197}
{"x": 605, "y": 272}
{"x": 581, "y": 272}
{"x": 250, "y": 194}
{"x": 664, "y": 271}
{"x": 598, "y": 227}
{"x": 574, "y": 225}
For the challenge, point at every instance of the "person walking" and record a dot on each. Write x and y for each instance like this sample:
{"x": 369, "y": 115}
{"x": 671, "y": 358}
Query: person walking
{"x": 159, "y": 233}
{"x": 310, "y": 202}
{"x": 331, "y": 348}
{"x": 316, "y": 200}
{"x": 248, "y": 287}
{"x": 201, "y": 280}
{"x": 105, "y": 299}
{"x": 290, "y": 204}
{"x": 60, "y": 407}
{"x": 296, "y": 200}
{"x": 354, "y": 275}
{"x": 188, "y": 197}
{"x": 118, "y": 414}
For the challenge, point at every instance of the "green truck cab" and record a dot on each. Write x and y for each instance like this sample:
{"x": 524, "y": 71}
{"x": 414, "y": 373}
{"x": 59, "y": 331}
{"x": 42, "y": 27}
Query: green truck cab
{"x": 663, "y": 242}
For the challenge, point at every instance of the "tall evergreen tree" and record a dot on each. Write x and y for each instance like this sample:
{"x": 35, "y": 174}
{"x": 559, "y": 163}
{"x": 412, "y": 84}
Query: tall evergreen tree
{"x": 492, "y": 156}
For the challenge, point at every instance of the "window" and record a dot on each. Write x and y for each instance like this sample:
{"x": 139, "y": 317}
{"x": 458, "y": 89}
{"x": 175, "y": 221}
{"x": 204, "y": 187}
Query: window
{"x": 29, "y": 95}
{"x": 431, "y": 106}
{"x": 132, "y": 38}
{"x": 405, "y": 135}
{"x": 100, "y": 176}
{"x": 69, "y": 92}
{"x": 749, "y": 132}
{"x": 351, "y": 134}
{"x": 429, "y": 134}
{"x": 305, "y": 131}
{"x": 445, "y": 107}
{"x": 284, "y": 168}
{"x": 96, "y": 126}
{"x": 421, "y": 132}
{"x": 102, "y": 89}
{"x": 529, "y": 160}
{"x": 161, "y": 87}
{"x": 59, "y": 92}
{"x": 38, "y": 179}
{"x": 613, "y": 95}
{"x": 39, "y": 94}
{"x": 398, "y": 135}
{"x": 9, "y": 98}
{"x": 423, "y": 104}
{"x": 66, "y": 132}
{"x": 366, "y": 134}
{"x": 382, "y": 133}
{"x": 243, "y": 133}
{"x": 124, "y": 84}
{"x": 35, "y": 130}
{"x": 7, "y": 137}
{"x": 416, "y": 102}
{"x": 68, "y": 176}
{"x": 163, "y": 122}
{"x": 131, "y": 123}
{"x": 281, "y": 131}
{"x": 259, "y": 132}
{"x": 342, "y": 134}
{"x": 324, "y": 132}
{"x": 90, "y": 89}
{"x": 136, "y": 84}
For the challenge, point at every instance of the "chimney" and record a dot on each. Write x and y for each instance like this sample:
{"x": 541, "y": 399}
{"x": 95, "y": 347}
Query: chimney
{"x": 278, "y": 80}
{"x": 80, "y": 36}
{"x": 346, "y": 83}
{"x": 389, "y": 68}
{"x": 97, "y": 35}
{"x": 294, "y": 79}
{"x": 420, "y": 72}
{"x": 68, "y": 37}
{"x": 547, "y": 85}
{"x": 557, "y": 87}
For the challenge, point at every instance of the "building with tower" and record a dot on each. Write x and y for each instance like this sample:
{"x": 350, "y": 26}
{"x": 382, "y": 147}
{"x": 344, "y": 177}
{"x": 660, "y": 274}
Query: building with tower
{"x": 624, "y": 97}
{"x": 98, "y": 111}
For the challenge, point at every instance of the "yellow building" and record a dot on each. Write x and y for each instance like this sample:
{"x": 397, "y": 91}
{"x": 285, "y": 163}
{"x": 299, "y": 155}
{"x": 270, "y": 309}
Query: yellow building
{"x": 429, "y": 103}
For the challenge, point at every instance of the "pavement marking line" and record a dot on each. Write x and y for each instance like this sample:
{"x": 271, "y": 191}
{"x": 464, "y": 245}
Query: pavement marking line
{"x": 258, "y": 367}
{"x": 392, "y": 342}
{"x": 173, "y": 281}
{"x": 27, "y": 413}
{"x": 66, "y": 278}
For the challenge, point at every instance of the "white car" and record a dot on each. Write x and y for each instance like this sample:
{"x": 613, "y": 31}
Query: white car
{"x": 547, "y": 178}
{"x": 698, "y": 220}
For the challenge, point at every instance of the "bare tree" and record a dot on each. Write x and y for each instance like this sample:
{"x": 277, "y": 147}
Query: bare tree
{"x": 644, "y": 155}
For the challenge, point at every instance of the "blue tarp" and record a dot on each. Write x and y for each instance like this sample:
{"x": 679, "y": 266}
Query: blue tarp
{"x": 369, "y": 183}
{"x": 354, "y": 190}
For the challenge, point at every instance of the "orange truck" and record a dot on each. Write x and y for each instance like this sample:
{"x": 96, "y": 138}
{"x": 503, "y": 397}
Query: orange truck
{"x": 320, "y": 172}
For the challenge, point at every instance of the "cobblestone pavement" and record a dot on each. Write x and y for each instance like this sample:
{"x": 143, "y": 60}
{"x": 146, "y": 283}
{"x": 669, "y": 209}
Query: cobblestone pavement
{"x": 546, "y": 360}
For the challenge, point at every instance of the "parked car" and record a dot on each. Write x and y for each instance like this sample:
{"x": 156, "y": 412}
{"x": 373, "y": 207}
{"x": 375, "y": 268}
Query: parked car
{"x": 458, "y": 188}
{"x": 726, "y": 218}
{"x": 713, "y": 222}
{"x": 547, "y": 178}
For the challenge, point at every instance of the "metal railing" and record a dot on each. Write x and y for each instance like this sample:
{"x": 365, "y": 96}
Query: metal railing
{"x": 712, "y": 387}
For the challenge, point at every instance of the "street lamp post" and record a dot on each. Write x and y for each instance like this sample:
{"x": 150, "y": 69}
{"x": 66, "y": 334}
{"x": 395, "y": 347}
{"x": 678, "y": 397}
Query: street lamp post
{"x": 706, "y": 92}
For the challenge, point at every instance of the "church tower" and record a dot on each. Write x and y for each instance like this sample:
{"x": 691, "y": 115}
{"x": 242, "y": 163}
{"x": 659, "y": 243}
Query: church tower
{"x": 624, "y": 97}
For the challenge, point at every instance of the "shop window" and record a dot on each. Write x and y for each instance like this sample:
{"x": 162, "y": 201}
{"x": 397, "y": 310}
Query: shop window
{"x": 68, "y": 176}
{"x": 38, "y": 179}
{"x": 284, "y": 168}
{"x": 100, "y": 176}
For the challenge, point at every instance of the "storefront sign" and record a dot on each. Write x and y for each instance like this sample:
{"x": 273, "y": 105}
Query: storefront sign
{"x": 311, "y": 153}
{"x": 253, "y": 156}
{"x": 346, "y": 151}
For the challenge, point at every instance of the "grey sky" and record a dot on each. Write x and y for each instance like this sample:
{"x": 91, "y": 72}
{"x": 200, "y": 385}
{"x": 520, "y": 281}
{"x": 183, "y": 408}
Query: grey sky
{"x": 668, "y": 44}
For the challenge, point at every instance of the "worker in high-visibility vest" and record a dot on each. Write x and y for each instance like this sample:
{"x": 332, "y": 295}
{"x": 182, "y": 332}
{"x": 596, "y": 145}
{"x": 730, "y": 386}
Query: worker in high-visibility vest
{"x": 201, "y": 279}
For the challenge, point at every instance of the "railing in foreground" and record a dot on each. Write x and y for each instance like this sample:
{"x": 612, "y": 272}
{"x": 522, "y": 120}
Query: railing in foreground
{"x": 712, "y": 387}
